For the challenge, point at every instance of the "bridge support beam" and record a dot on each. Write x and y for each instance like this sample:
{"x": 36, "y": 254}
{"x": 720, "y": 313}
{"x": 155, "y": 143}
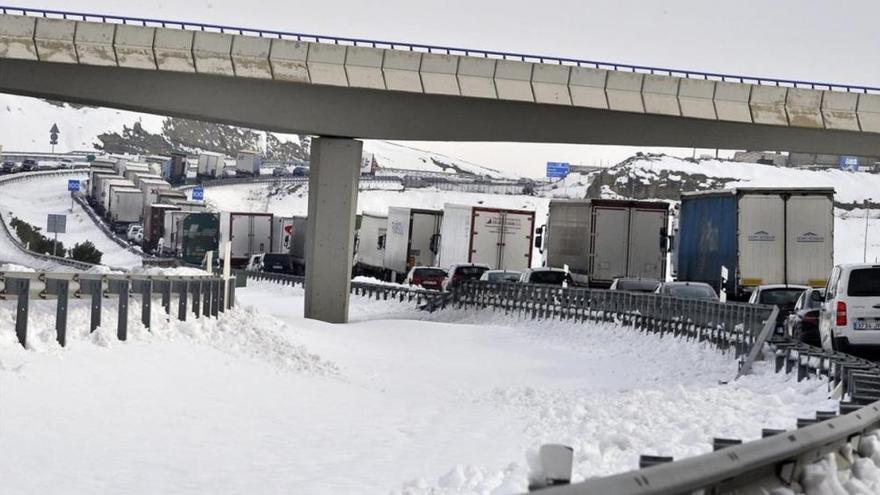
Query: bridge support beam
{"x": 333, "y": 188}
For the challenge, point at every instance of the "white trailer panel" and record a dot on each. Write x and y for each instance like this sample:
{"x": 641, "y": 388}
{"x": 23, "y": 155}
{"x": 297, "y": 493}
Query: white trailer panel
{"x": 809, "y": 239}
{"x": 211, "y": 164}
{"x": 282, "y": 234}
{"x": 455, "y": 235}
{"x": 105, "y": 191}
{"x": 397, "y": 239}
{"x": 567, "y": 235}
{"x": 127, "y": 205}
{"x": 249, "y": 233}
{"x": 761, "y": 240}
{"x": 647, "y": 243}
{"x": 609, "y": 247}
{"x": 371, "y": 240}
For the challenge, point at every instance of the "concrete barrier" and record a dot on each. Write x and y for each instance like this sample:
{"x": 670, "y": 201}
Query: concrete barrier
{"x": 587, "y": 87}
{"x": 869, "y": 112}
{"x": 624, "y": 91}
{"x": 804, "y": 108}
{"x": 94, "y": 43}
{"x": 732, "y": 101}
{"x": 401, "y": 70}
{"x": 54, "y": 40}
{"x": 17, "y": 37}
{"x": 438, "y": 74}
{"x": 660, "y": 94}
{"x": 476, "y": 77}
{"x": 550, "y": 84}
{"x": 250, "y": 57}
{"x": 363, "y": 65}
{"x": 513, "y": 80}
{"x": 695, "y": 99}
{"x": 134, "y": 46}
{"x": 212, "y": 53}
{"x": 327, "y": 64}
{"x": 173, "y": 50}
{"x": 839, "y": 110}
{"x": 288, "y": 60}
{"x": 768, "y": 105}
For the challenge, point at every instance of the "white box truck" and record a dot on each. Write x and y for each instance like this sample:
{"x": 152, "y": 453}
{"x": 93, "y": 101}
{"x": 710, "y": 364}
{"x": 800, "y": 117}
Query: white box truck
{"x": 151, "y": 188}
{"x": 107, "y": 188}
{"x": 603, "y": 239}
{"x": 370, "y": 245}
{"x": 249, "y": 233}
{"x": 248, "y": 163}
{"x": 761, "y": 235}
{"x": 126, "y": 207}
{"x": 411, "y": 239}
{"x": 210, "y": 164}
{"x": 500, "y": 238}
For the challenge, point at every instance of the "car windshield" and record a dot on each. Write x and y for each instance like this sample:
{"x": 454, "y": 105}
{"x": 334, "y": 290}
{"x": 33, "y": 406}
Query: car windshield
{"x": 548, "y": 277}
{"x": 429, "y": 273}
{"x": 691, "y": 291}
{"x": 864, "y": 282}
{"x": 780, "y": 297}
{"x": 470, "y": 272}
{"x": 504, "y": 277}
{"x": 637, "y": 285}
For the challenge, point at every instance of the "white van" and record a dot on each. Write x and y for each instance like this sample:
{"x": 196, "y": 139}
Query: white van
{"x": 851, "y": 311}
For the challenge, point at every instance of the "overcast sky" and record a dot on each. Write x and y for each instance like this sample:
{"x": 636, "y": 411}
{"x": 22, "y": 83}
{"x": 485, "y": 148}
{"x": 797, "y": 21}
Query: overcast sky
{"x": 816, "y": 40}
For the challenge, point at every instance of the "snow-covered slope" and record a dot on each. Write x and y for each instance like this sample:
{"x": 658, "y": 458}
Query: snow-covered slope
{"x": 80, "y": 127}
{"x": 393, "y": 402}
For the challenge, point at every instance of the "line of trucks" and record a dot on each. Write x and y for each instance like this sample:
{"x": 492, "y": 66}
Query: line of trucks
{"x": 732, "y": 239}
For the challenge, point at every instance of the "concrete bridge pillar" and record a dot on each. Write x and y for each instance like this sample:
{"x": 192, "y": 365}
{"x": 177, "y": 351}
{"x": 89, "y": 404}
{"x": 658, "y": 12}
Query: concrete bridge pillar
{"x": 333, "y": 188}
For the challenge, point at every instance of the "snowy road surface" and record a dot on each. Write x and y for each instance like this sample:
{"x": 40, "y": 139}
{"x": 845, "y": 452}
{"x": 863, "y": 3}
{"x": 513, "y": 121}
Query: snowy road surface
{"x": 34, "y": 199}
{"x": 396, "y": 401}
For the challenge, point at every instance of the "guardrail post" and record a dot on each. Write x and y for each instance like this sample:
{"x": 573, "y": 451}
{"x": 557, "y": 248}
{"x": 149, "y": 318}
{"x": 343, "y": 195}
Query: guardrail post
{"x": 60, "y": 288}
{"x": 95, "y": 288}
{"x": 195, "y": 288}
{"x": 20, "y": 287}
{"x": 205, "y": 287}
{"x": 215, "y": 298}
{"x": 182, "y": 288}
{"x": 145, "y": 288}
{"x": 121, "y": 287}
{"x": 221, "y": 294}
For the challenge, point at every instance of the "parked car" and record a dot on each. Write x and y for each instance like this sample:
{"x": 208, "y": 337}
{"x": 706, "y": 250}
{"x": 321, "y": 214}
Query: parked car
{"x": 428, "y": 277}
{"x": 463, "y": 272}
{"x": 65, "y": 163}
{"x": 28, "y": 165}
{"x": 850, "y": 315}
{"x": 9, "y": 167}
{"x": 255, "y": 262}
{"x": 500, "y": 276}
{"x": 631, "y": 284}
{"x": 783, "y": 296}
{"x": 546, "y": 276}
{"x": 803, "y": 322}
{"x": 277, "y": 263}
{"x": 135, "y": 233}
{"x": 687, "y": 290}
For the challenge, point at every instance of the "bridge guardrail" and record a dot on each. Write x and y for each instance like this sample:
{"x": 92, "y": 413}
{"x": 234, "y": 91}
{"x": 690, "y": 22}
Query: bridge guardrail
{"x": 205, "y": 296}
{"x": 396, "y": 45}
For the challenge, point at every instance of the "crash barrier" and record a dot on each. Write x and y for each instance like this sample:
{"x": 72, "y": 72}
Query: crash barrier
{"x": 379, "y": 292}
{"x": 204, "y": 296}
{"x": 79, "y": 265}
{"x": 234, "y": 181}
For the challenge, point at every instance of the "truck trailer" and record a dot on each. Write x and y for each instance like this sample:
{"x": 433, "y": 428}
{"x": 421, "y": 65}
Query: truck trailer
{"x": 411, "y": 239}
{"x": 370, "y": 245}
{"x": 154, "y": 225}
{"x": 249, "y": 233}
{"x": 500, "y": 238}
{"x": 248, "y": 163}
{"x": 760, "y": 236}
{"x": 603, "y": 239}
{"x": 126, "y": 207}
{"x": 210, "y": 165}
{"x": 107, "y": 192}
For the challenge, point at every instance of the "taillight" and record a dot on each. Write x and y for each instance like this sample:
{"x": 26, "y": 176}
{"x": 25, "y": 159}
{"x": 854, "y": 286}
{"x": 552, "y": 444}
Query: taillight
{"x": 841, "y": 314}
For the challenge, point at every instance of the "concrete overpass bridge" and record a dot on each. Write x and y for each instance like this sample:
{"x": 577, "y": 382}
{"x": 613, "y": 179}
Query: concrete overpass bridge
{"x": 343, "y": 88}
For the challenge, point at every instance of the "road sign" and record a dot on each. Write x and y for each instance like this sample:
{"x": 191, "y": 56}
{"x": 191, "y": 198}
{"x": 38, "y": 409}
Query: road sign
{"x": 53, "y": 134}
{"x": 198, "y": 193}
{"x": 849, "y": 163}
{"x": 56, "y": 224}
{"x": 73, "y": 185}
{"x": 557, "y": 169}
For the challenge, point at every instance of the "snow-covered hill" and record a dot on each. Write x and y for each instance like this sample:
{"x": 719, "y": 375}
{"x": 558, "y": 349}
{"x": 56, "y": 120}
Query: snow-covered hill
{"x": 81, "y": 126}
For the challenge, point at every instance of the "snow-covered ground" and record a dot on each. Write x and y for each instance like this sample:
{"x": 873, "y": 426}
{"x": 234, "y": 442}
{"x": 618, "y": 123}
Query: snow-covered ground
{"x": 32, "y": 200}
{"x": 397, "y": 401}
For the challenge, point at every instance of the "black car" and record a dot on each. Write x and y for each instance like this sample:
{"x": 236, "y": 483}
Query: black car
{"x": 8, "y": 167}
{"x": 28, "y": 165}
{"x": 803, "y": 323}
{"x": 278, "y": 263}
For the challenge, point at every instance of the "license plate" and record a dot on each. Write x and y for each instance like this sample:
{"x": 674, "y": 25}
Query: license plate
{"x": 866, "y": 324}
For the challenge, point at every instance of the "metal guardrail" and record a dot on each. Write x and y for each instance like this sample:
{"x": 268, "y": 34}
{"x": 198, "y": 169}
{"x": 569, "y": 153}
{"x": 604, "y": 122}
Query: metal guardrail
{"x": 396, "y": 45}
{"x": 206, "y": 296}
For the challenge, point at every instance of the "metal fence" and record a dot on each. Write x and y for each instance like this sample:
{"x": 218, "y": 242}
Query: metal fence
{"x": 203, "y": 296}
{"x": 418, "y": 47}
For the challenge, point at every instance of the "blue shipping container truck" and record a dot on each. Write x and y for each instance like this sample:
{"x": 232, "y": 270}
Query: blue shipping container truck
{"x": 761, "y": 235}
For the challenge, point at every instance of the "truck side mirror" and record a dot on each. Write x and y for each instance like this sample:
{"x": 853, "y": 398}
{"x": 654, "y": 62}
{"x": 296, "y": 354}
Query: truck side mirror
{"x": 435, "y": 243}
{"x": 539, "y": 237}
{"x": 380, "y": 244}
